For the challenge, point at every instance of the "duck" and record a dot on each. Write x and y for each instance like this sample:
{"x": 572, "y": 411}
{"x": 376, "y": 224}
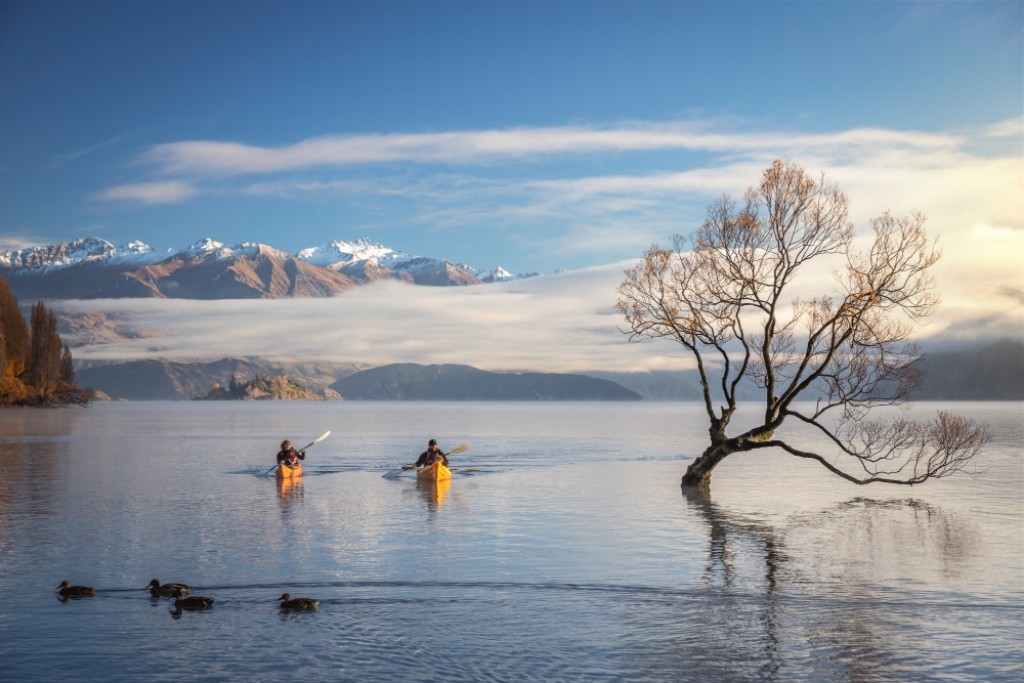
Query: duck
{"x": 288, "y": 602}
{"x": 156, "y": 589}
{"x": 66, "y": 590}
{"x": 191, "y": 602}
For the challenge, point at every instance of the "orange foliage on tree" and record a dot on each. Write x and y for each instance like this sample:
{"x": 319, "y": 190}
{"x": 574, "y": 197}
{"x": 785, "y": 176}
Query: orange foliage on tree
{"x": 36, "y": 367}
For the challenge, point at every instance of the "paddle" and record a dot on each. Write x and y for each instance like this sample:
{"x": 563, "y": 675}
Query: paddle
{"x": 311, "y": 443}
{"x": 462, "y": 448}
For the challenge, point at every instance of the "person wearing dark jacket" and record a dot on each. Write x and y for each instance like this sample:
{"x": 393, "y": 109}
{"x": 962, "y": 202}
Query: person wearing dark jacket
{"x": 289, "y": 455}
{"x": 432, "y": 455}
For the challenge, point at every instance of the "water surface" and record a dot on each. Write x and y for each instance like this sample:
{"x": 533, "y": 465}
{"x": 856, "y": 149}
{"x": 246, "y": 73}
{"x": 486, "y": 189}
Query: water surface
{"x": 569, "y": 554}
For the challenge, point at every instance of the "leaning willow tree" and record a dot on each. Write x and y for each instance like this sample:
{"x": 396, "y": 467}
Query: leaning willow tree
{"x": 726, "y": 296}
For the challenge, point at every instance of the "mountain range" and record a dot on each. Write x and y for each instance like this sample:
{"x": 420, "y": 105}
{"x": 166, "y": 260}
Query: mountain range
{"x": 92, "y": 268}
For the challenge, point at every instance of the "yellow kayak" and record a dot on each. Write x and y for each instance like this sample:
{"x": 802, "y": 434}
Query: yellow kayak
{"x": 287, "y": 471}
{"x": 435, "y": 472}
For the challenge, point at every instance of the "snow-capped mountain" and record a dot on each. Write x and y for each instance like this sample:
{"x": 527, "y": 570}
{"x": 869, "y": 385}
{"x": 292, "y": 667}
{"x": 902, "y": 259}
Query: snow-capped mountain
{"x": 207, "y": 269}
{"x": 365, "y": 254}
{"x": 337, "y": 253}
{"x": 84, "y": 250}
{"x": 499, "y": 274}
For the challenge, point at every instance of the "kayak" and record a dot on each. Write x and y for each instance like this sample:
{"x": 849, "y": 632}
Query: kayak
{"x": 435, "y": 472}
{"x": 287, "y": 471}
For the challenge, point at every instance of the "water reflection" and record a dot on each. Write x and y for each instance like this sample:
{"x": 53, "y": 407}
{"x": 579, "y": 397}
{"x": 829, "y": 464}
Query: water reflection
{"x": 176, "y": 611}
{"x": 30, "y": 473}
{"x": 28, "y": 486}
{"x": 733, "y": 540}
{"x": 892, "y": 533}
{"x": 761, "y": 603}
{"x": 289, "y": 488}
{"x": 434, "y": 492}
{"x": 726, "y": 530}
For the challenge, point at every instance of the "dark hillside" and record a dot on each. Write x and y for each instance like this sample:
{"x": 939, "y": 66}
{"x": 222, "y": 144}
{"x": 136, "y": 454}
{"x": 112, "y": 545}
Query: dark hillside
{"x": 992, "y": 373}
{"x": 412, "y": 382}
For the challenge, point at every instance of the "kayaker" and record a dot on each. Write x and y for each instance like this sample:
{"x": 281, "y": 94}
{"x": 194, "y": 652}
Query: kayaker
{"x": 432, "y": 455}
{"x": 289, "y": 455}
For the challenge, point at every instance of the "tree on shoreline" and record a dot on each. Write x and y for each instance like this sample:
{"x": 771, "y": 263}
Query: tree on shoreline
{"x": 36, "y": 367}
{"x": 725, "y": 295}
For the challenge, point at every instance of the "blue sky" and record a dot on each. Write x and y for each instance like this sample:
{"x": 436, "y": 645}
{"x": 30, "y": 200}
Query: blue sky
{"x": 95, "y": 90}
{"x": 533, "y": 135}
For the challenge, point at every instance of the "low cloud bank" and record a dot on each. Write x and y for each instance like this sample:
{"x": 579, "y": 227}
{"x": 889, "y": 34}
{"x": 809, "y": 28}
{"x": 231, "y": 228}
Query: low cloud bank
{"x": 557, "y": 323}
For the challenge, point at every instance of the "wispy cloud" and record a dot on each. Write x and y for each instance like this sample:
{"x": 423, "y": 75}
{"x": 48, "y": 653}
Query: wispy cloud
{"x": 1010, "y": 128}
{"x": 217, "y": 158}
{"x": 164, "y": 192}
{"x": 17, "y": 243}
{"x": 71, "y": 157}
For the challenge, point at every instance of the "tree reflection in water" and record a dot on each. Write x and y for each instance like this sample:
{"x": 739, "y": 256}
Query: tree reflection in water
{"x": 805, "y": 599}
{"x": 733, "y": 539}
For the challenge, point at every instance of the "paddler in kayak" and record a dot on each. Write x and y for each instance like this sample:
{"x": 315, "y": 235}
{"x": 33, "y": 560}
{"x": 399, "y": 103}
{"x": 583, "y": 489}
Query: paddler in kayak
{"x": 288, "y": 455}
{"x": 432, "y": 455}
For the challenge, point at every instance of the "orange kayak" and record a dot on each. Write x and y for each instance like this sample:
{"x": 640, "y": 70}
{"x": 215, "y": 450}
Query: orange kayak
{"x": 287, "y": 471}
{"x": 435, "y": 472}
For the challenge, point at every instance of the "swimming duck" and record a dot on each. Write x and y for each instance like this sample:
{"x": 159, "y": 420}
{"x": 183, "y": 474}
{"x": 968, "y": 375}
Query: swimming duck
{"x": 66, "y": 590}
{"x": 191, "y": 602}
{"x": 288, "y": 602}
{"x": 156, "y": 589}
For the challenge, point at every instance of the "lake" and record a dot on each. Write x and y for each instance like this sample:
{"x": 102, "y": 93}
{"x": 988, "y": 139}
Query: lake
{"x": 562, "y": 550}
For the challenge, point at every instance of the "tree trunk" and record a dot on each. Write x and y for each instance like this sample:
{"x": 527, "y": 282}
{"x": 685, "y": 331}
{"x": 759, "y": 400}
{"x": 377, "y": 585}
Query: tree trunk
{"x": 698, "y": 473}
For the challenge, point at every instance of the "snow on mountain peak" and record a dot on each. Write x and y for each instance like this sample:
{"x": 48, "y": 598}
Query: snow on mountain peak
{"x": 203, "y": 246}
{"x": 342, "y": 252}
{"x": 84, "y": 249}
{"x": 339, "y": 255}
{"x": 499, "y": 274}
{"x": 208, "y": 246}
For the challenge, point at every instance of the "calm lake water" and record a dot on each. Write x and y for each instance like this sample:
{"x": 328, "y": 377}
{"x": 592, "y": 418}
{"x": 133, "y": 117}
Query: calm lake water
{"x": 570, "y": 555}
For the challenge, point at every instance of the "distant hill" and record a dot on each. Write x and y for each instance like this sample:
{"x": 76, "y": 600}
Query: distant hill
{"x": 164, "y": 380}
{"x": 681, "y": 385}
{"x": 411, "y": 382}
{"x": 992, "y": 373}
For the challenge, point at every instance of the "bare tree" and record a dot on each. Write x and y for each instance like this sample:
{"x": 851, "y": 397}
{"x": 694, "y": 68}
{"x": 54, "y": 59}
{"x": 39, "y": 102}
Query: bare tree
{"x": 725, "y": 296}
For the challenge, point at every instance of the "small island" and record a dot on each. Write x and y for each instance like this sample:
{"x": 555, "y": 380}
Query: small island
{"x": 277, "y": 388}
